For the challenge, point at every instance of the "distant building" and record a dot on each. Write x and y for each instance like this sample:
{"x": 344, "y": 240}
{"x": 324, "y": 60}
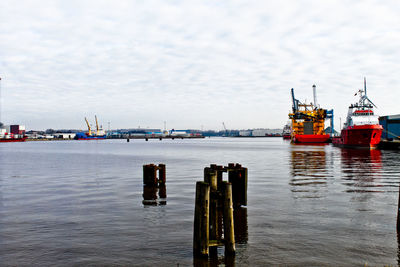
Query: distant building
{"x": 266, "y": 132}
{"x": 64, "y": 135}
{"x": 181, "y": 133}
{"x": 260, "y": 132}
{"x": 245, "y": 133}
{"x": 17, "y": 129}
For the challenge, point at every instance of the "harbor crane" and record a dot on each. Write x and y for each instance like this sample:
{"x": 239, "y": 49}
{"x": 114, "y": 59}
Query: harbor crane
{"x": 88, "y": 125}
{"x": 226, "y": 131}
{"x": 97, "y": 125}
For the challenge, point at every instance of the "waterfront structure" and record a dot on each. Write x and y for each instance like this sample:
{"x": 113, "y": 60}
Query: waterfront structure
{"x": 391, "y": 126}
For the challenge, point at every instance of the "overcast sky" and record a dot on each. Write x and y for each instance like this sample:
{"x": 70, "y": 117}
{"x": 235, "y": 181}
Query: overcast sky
{"x": 193, "y": 64}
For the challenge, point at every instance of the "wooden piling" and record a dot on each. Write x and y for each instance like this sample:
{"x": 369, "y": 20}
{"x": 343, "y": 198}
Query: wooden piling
{"x": 127, "y": 140}
{"x": 161, "y": 174}
{"x": 210, "y": 177}
{"x": 244, "y": 186}
{"x": 150, "y": 175}
{"x": 238, "y": 178}
{"x": 162, "y": 191}
{"x": 150, "y": 195}
{"x": 220, "y": 170}
{"x": 398, "y": 214}
{"x": 201, "y": 223}
{"x": 229, "y": 234}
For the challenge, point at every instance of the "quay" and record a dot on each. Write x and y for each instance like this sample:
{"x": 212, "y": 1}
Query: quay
{"x": 387, "y": 144}
{"x": 158, "y": 137}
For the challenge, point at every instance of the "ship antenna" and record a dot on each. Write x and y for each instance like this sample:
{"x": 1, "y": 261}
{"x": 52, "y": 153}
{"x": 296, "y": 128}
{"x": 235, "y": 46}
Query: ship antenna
{"x": 365, "y": 97}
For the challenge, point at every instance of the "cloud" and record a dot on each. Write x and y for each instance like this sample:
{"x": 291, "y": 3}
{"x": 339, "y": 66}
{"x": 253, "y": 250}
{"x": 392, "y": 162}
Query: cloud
{"x": 192, "y": 63}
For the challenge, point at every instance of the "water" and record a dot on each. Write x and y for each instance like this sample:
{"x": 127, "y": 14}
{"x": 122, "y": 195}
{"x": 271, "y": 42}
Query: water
{"x": 80, "y": 203}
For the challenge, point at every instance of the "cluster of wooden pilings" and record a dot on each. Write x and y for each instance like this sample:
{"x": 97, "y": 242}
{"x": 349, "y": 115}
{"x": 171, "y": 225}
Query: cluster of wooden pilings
{"x": 153, "y": 184}
{"x": 215, "y": 200}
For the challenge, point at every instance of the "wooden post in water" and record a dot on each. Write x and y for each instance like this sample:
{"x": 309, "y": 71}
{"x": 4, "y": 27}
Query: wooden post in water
{"x": 238, "y": 178}
{"x": 210, "y": 177}
{"x": 201, "y": 216}
{"x": 220, "y": 170}
{"x": 229, "y": 234}
{"x": 398, "y": 214}
{"x": 244, "y": 186}
{"x": 161, "y": 174}
{"x": 150, "y": 175}
{"x": 127, "y": 139}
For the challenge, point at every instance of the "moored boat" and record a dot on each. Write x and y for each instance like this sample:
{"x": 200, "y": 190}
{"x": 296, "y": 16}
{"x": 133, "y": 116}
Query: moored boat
{"x": 287, "y": 131}
{"x": 12, "y": 139}
{"x": 362, "y": 128}
{"x": 90, "y": 134}
{"x": 308, "y": 121}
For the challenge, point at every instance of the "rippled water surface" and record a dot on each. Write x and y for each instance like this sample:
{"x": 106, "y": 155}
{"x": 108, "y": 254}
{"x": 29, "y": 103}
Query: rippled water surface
{"x": 81, "y": 203}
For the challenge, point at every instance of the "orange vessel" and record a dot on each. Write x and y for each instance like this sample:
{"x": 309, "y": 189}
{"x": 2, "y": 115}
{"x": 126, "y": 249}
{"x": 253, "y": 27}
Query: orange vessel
{"x": 308, "y": 121}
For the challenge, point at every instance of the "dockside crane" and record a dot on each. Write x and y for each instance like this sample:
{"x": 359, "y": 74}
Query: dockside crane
{"x": 226, "y": 131}
{"x": 88, "y": 125}
{"x": 97, "y": 125}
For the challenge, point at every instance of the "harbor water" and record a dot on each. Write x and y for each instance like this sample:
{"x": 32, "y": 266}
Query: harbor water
{"x": 66, "y": 203}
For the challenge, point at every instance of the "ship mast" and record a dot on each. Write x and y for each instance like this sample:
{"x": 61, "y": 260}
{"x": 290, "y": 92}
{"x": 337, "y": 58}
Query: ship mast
{"x": 315, "y": 95}
{"x": 364, "y": 100}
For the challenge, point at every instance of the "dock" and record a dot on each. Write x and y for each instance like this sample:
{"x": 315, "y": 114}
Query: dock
{"x": 389, "y": 144}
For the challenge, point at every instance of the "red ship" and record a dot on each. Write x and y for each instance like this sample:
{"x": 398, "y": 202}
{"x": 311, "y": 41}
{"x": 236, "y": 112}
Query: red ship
{"x": 14, "y": 139}
{"x": 362, "y": 127}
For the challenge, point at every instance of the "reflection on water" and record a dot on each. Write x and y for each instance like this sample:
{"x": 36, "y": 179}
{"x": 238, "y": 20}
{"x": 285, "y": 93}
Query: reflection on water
{"x": 362, "y": 170}
{"x": 240, "y": 225}
{"x": 228, "y": 261}
{"x": 150, "y": 197}
{"x": 308, "y": 171}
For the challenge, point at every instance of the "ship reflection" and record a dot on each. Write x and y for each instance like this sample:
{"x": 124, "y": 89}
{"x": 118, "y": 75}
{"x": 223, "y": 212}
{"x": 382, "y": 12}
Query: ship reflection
{"x": 150, "y": 197}
{"x": 308, "y": 171}
{"x": 362, "y": 170}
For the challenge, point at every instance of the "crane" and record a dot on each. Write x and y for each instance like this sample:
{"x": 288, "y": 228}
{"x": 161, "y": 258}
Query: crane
{"x": 97, "y": 125}
{"x": 88, "y": 125}
{"x": 226, "y": 131}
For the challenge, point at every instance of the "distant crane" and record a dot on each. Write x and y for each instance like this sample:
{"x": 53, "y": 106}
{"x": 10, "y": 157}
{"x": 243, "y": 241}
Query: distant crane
{"x": 97, "y": 125}
{"x": 226, "y": 131}
{"x": 88, "y": 125}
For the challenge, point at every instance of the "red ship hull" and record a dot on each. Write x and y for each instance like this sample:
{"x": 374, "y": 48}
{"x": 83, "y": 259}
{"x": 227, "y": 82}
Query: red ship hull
{"x": 367, "y": 136}
{"x": 311, "y": 138}
{"x": 9, "y": 140}
{"x": 286, "y": 136}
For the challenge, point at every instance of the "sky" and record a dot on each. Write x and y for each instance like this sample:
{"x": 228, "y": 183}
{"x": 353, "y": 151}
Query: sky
{"x": 192, "y": 64}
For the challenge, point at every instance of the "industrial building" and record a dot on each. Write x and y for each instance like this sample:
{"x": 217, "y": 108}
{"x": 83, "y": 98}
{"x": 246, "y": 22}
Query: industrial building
{"x": 391, "y": 126}
{"x": 260, "y": 132}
